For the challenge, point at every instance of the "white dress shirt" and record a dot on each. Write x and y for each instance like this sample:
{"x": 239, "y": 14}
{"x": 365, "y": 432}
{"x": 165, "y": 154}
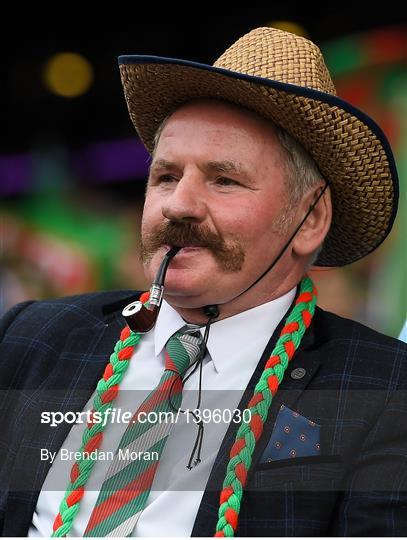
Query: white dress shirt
{"x": 235, "y": 346}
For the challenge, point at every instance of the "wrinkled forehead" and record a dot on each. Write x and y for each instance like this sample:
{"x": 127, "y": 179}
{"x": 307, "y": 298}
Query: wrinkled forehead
{"x": 229, "y": 121}
{"x": 218, "y": 108}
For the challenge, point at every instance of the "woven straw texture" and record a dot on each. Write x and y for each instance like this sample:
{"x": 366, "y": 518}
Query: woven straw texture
{"x": 348, "y": 153}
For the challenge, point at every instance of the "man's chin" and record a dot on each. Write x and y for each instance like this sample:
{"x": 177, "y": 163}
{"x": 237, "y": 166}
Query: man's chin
{"x": 184, "y": 299}
{"x": 183, "y": 282}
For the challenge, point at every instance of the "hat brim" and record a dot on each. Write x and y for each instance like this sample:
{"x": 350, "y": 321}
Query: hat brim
{"x": 349, "y": 148}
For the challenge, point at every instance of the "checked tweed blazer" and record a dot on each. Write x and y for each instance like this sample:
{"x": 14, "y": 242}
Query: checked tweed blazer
{"x": 353, "y": 385}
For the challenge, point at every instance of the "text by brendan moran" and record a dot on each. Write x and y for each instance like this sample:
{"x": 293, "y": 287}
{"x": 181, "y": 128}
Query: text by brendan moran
{"x": 124, "y": 454}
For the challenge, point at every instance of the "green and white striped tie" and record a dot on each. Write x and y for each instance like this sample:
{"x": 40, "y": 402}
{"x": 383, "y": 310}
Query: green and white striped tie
{"x": 124, "y": 492}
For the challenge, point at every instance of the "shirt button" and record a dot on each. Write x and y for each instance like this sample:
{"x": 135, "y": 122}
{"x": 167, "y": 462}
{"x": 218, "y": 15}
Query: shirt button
{"x": 298, "y": 373}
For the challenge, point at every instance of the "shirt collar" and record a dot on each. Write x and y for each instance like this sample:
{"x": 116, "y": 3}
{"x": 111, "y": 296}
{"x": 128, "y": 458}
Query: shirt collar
{"x": 252, "y": 327}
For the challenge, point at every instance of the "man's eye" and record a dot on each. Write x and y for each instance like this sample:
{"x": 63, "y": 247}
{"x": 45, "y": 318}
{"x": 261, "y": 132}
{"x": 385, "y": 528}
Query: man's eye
{"x": 166, "y": 178}
{"x": 223, "y": 181}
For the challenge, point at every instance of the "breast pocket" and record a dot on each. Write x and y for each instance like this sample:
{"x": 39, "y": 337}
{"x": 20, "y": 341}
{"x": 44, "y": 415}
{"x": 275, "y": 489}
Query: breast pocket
{"x": 312, "y": 473}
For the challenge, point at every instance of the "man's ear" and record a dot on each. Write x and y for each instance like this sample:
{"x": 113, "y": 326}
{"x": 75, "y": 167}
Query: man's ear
{"x": 316, "y": 226}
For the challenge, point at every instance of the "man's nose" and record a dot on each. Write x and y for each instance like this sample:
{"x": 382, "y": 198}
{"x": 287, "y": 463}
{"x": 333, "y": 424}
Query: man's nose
{"x": 185, "y": 203}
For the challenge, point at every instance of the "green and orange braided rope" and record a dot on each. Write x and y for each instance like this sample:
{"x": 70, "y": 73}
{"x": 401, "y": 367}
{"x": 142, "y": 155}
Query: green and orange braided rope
{"x": 106, "y": 392}
{"x": 249, "y": 432}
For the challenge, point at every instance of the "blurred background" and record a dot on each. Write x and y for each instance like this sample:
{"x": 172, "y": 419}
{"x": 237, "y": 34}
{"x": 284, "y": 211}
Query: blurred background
{"x": 73, "y": 173}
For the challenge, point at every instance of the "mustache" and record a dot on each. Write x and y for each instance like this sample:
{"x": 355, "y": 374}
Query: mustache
{"x": 230, "y": 256}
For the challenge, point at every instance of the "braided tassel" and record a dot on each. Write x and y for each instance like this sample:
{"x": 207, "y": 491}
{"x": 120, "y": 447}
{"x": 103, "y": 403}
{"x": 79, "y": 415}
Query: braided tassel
{"x": 106, "y": 391}
{"x": 249, "y": 432}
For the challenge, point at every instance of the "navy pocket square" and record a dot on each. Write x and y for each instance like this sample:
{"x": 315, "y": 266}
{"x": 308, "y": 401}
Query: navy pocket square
{"x": 293, "y": 436}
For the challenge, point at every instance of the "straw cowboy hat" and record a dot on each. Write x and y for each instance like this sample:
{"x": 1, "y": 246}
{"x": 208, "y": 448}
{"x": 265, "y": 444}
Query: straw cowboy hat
{"x": 283, "y": 77}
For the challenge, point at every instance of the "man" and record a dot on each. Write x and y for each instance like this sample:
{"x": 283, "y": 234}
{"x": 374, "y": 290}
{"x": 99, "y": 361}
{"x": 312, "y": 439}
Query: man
{"x": 325, "y": 450}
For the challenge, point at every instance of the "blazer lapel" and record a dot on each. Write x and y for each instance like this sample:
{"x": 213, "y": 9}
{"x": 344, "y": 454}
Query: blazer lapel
{"x": 288, "y": 393}
{"x": 68, "y": 388}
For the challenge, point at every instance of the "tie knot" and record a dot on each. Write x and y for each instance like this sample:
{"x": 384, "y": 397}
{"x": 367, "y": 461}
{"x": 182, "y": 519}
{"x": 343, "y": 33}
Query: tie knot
{"x": 183, "y": 349}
